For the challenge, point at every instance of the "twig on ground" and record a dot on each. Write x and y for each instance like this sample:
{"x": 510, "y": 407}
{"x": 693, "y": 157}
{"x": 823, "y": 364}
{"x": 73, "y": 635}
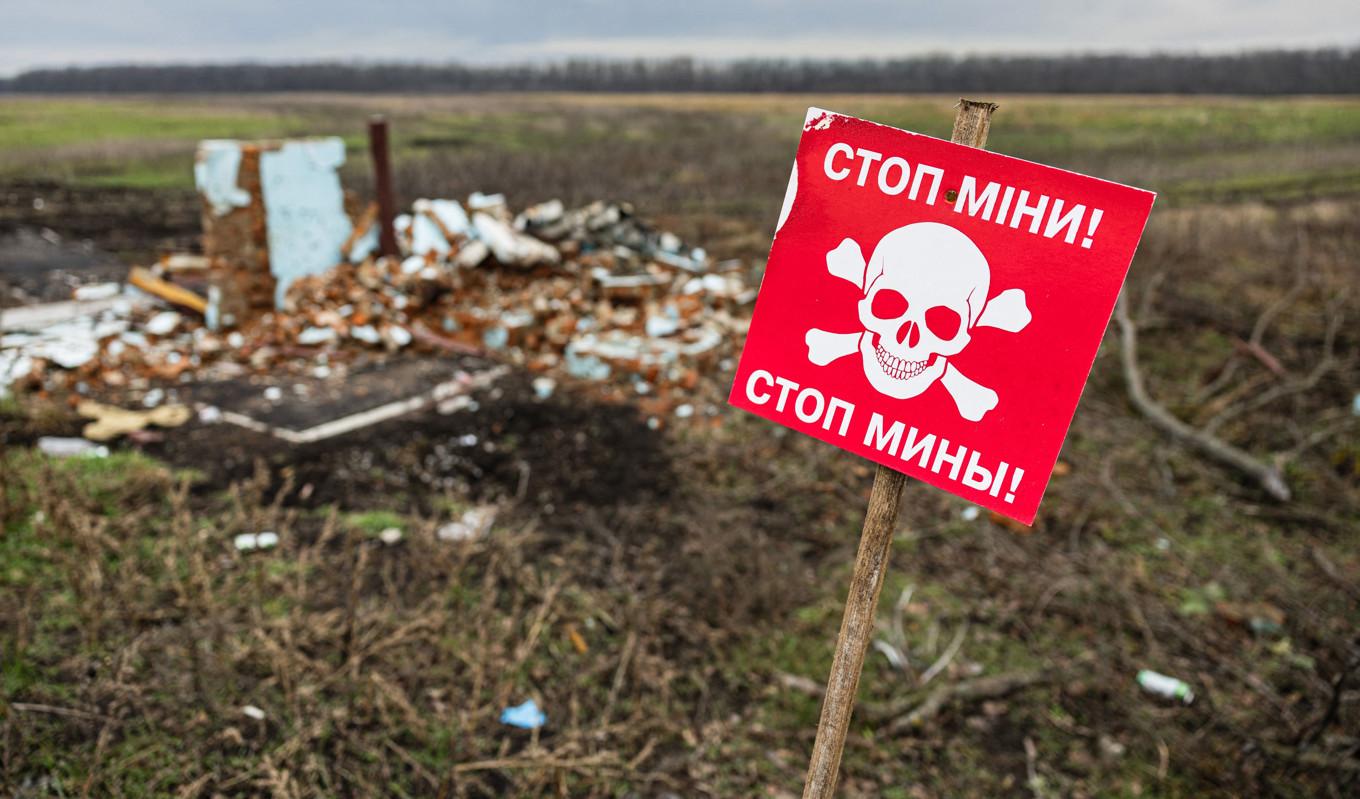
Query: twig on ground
{"x": 1329, "y": 569}
{"x": 1267, "y": 476}
{"x": 1312, "y": 759}
{"x": 592, "y": 762}
{"x": 416, "y": 766}
{"x": 1258, "y": 331}
{"x": 801, "y": 684}
{"x": 945, "y": 659}
{"x": 966, "y": 691}
{"x": 1305, "y": 383}
{"x": 1255, "y": 350}
{"x": 53, "y": 710}
{"x": 1330, "y": 713}
{"x": 625, "y": 657}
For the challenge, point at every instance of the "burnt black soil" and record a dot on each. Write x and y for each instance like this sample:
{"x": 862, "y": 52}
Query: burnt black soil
{"x": 133, "y": 224}
{"x": 566, "y": 451}
{"x": 54, "y": 237}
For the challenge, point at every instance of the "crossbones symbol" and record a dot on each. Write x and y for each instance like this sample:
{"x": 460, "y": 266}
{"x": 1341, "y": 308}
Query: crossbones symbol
{"x": 925, "y": 289}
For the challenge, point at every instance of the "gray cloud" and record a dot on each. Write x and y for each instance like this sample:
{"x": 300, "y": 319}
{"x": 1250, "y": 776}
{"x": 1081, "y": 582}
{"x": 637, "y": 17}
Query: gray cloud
{"x": 488, "y": 31}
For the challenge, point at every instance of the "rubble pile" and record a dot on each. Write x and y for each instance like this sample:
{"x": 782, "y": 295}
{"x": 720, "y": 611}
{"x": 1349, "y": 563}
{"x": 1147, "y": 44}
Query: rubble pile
{"x": 124, "y": 343}
{"x": 591, "y": 294}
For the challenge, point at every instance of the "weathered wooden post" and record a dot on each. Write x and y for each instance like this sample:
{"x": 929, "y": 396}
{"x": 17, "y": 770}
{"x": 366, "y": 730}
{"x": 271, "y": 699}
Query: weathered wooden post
{"x": 382, "y": 183}
{"x": 971, "y": 124}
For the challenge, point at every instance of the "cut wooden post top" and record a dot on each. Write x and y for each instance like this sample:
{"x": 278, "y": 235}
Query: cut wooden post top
{"x": 972, "y": 122}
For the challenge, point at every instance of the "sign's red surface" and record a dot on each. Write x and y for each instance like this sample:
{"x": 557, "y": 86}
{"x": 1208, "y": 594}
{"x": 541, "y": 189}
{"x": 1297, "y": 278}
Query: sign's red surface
{"x": 934, "y": 307}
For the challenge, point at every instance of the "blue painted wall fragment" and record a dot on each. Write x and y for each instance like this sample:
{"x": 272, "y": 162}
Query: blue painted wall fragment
{"x": 304, "y": 205}
{"x": 365, "y": 245}
{"x": 215, "y": 174}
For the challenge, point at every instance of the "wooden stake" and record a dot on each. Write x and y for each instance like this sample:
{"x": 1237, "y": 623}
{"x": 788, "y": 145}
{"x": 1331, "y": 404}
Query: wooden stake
{"x": 382, "y": 183}
{"x": 147, "y": 281}
{"x": 971, "y": 124}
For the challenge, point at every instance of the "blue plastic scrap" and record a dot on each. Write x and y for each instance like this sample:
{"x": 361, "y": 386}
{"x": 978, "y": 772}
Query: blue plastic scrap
{"x": 526, "y": 716}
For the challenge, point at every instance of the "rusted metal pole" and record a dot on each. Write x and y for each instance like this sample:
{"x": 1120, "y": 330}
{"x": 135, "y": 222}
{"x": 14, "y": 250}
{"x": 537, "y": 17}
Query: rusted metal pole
{"x": 382, "y": 183}
{"x": 971, "y": 124}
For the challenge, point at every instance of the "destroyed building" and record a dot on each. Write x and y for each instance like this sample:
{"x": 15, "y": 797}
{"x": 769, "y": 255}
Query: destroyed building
{"x": 291, "y": 282}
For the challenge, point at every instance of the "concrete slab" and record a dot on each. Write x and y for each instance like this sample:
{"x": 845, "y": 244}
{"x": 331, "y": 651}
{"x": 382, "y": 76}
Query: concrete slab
{"x": 310, "y": 409}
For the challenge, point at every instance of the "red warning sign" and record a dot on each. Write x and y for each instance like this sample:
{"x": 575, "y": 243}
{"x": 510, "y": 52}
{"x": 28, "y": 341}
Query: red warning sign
{"x": 934, "y": 307}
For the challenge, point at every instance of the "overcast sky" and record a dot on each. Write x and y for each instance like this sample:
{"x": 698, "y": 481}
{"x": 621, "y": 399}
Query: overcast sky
{"x": 63, "y": 32}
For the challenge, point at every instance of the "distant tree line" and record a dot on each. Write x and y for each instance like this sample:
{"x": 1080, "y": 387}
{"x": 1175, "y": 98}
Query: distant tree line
{"x": 1323, "y": 71}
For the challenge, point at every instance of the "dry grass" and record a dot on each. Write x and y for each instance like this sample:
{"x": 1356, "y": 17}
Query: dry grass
{"x": 381, "y": 669}
{"x": 677, "y": 640}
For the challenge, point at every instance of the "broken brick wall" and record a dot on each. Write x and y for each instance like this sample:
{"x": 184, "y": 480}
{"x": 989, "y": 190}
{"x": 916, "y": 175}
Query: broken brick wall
{"x": 235, "y": 240}
{"x": 273, "y": 212}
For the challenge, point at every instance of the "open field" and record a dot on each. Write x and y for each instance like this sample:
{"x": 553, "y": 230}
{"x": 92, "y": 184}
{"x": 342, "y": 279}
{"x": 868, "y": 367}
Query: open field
{"x": 707, "y": 161}
{"x": 670, "y": 597}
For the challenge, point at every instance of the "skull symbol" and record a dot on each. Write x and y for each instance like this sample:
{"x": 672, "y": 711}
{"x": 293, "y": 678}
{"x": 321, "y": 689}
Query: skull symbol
{"x": 925, "y": 291}
{"x": 927, "y": 284}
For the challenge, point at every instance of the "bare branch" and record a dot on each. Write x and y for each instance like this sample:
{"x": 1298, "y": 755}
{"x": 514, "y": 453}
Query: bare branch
{"x": 1306, "y": 383}
{"x": 944, "y": 660}
{"x": 1267, "y": 476}
{"x": 1263, "y": 322}
{"x": 966, "y": 691}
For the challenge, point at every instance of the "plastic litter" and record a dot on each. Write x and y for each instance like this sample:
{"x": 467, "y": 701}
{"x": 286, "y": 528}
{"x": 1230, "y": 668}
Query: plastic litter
{"x": 1264, "y": 626}
{"x": 61, "y": 447}
{"x": 544, "y": 387}
{"x": 248, "y": 542}
{"x": 1165, "y": 687}
{"x": 526, "y": 716}
{"x": 474, "y": 523}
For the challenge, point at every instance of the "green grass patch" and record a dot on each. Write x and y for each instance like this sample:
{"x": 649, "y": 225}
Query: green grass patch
{"x": 370, "y": 523}
{"x": 148, "y": 144}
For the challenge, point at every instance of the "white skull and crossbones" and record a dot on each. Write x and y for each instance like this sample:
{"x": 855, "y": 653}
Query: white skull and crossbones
{"x": 925, "y": 290}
